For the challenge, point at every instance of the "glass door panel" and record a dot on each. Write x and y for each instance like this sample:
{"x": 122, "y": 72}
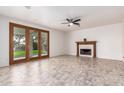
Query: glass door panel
{"x": 33, "y": 43}
{"x": 19, "y": 43}
{"x": 44, "y": 44}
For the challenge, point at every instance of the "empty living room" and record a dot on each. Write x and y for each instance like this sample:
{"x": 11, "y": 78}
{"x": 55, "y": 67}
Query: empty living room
{"x": 61, "y": 45}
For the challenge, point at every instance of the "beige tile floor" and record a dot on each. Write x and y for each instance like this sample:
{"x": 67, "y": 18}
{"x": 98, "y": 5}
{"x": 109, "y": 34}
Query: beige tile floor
{"x": 65, "y": 70}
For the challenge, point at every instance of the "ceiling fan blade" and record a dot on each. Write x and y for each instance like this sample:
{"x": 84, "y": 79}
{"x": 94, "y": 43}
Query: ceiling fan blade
{"x": 64, "y": 23}
{"x": 77, "y": 24}
{"x": 68, "y": 19}
{"x": 77, "y": 20}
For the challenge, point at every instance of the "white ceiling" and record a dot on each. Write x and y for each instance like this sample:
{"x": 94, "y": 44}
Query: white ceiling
{"x": 52, "y": 16}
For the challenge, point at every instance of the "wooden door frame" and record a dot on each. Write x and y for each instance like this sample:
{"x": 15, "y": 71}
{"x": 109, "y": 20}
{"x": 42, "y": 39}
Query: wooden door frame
{"x": 27, "y": 30}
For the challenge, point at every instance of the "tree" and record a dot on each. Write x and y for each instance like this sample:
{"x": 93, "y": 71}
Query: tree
{"x": 19, "y": 41}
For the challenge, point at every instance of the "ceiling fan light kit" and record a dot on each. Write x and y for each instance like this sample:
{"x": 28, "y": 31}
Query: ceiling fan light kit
{"x": 70, "y": 24}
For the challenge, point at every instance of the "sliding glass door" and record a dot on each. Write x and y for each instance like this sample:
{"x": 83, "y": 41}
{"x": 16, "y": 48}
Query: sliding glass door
{"x": 19, "y": 43}
{"x": 44, "y": 44}
{"x": 33, "y": 44}
{"x": 27, "y": 43}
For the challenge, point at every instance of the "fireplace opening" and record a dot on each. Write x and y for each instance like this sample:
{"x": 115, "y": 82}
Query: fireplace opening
{"x": 85, "y": 51}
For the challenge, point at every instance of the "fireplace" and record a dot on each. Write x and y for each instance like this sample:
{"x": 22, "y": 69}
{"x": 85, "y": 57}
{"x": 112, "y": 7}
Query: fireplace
{"x": 85, "y": 51}
{"x": 86, "y": 48}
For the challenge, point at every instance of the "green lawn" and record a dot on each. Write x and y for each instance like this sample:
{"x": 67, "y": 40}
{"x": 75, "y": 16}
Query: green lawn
{"x": 21, "y": 53}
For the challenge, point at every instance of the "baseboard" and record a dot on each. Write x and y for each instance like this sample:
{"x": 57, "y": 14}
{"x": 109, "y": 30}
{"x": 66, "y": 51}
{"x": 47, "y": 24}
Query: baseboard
{"x": 122, "y": 60}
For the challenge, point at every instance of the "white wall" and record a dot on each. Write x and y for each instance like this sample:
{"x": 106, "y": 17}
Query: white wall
{"x": 56, "y": 39}
{"x": 57, "y": 46}
{"x": 123, "y": 39}
{"x": 109, "y": 40}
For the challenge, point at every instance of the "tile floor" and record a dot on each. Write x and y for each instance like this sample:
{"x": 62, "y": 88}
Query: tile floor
{"x": 65, "y": 71}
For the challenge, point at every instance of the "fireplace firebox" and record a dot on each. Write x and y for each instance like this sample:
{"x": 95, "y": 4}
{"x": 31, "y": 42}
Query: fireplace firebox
{"x": 85, "y": 51}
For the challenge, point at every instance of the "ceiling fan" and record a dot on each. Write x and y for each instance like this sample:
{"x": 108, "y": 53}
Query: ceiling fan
{"x": 72, "y": 21}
